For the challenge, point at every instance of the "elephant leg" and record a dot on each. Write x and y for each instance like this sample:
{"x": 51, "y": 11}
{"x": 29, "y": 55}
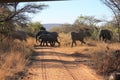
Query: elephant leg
{"x": 52, "y": 44}
{"x": 83, "y": 42}
{"x": 73, "y": 42}
{"x": 41, "y": 42}
{"x": 105, "y": 40}
{"x": 57, "y": 42}
{"x": 46, "y": 43}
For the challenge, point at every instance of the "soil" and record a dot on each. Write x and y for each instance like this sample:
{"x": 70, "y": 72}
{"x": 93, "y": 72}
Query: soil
{"x": 49, "y": 63}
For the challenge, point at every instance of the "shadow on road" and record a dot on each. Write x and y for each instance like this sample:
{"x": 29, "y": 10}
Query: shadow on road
{"x": 78, "y": 58}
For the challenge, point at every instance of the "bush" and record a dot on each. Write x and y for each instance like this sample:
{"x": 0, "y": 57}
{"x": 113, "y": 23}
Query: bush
{"x": 106, "y": 60}
{"x": 14, "y": 56}
{"x": 65, "y": 39}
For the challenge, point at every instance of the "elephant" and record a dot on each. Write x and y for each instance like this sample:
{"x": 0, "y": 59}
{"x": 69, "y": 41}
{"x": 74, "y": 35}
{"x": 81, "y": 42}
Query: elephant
{"x": 47, "y": 37}
{"x": 79, "y": 36}
{"x": 20, "y": 35}
{"x": 105, "y": 35}
{"x": 40, "y": 33}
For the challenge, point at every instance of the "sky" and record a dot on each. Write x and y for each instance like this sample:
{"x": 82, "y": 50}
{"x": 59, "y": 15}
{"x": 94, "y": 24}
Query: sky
{"x": 68, "y": 11}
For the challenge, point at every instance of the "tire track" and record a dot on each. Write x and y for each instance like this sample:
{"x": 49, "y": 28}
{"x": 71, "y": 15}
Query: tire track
{"x": 53, "y": 65}
{"x": 68, "y": 70}
{"x": 44, "y": 75}
{"x": 45, "y": 67}
{"x": 75, "y": 75}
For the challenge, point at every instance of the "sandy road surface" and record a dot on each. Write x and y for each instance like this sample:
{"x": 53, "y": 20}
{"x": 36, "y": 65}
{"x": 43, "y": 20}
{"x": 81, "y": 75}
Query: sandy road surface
{"x": 60, "y": 64}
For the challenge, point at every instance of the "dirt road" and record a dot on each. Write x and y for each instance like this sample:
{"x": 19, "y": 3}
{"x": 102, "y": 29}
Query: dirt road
{"x": 61, "y": 64}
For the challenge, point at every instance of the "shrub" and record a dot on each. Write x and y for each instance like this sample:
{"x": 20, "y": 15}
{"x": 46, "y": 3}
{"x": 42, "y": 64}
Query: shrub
{"x": 106, "y": 60}
{"x": 14, "y": 56}
{"x": 65, "y": 39}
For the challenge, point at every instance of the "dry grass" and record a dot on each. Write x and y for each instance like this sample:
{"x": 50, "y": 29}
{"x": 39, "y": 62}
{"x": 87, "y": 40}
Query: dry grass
{"x": 64, "y": 39}
{"x": 106, "y": 57}
{"x": 13, "y": 63}
{"x": 30, "y": 42}
{"x": 14, "y": 56}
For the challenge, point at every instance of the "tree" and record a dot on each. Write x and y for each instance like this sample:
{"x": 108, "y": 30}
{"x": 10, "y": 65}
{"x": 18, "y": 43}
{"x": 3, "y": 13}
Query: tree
{"x": 33, "y": 28}
{"x": 17, "y": 13}
{"x": 12, "y": 14}
{"x": 114, "y": 5}
{"x": 87, "y": 20}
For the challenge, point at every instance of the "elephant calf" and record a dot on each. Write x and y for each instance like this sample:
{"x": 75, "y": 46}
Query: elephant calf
{"x": 20, "y": 35}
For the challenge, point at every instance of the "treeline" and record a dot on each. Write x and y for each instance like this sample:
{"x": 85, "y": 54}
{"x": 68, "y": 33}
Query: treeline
{"x": 90, "y": 23}
{"x": 16, "y": 16}
{"x": 12, "y": 18}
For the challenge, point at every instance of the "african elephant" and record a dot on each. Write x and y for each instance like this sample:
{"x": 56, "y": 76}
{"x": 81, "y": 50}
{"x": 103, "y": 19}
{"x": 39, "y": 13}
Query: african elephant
{"x": 105, "y": 35}
{"x": 47, "y": 37}
{"x": 20, "y": 35}
{"x": 79, "y": 36}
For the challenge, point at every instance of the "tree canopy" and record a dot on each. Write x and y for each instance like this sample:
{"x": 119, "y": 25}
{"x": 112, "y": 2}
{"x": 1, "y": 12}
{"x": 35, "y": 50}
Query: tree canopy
{"x": 114, "y": 5}
{"x": 17, "y": 13}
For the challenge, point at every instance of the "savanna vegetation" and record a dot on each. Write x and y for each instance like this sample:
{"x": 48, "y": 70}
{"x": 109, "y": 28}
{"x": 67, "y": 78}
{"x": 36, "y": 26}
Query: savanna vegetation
{"x": 105, "y": 57}
{"x": 15, "y": 55}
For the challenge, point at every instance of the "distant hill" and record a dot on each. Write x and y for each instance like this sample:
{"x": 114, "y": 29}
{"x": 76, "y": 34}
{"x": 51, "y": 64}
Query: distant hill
{"x": 49, "y": 26}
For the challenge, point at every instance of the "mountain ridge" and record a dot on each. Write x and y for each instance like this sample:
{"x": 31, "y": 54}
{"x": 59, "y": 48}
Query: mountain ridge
{"x": 48, "y": 26}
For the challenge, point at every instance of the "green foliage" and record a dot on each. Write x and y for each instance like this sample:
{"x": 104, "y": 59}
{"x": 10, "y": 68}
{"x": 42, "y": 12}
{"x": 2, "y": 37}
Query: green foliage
{"x": 94, "y": 33}
{"x": 114, "y": 5}
{"x": 57, "y": 29}
{"x": 33, "y": 28}
{"x": 6, "y": 27}
{"x": 16, "y": 14}
{"x": 87, "y": 20}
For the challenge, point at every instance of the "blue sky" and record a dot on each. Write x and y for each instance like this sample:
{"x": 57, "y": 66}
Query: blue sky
{"x": 68, "y": 11}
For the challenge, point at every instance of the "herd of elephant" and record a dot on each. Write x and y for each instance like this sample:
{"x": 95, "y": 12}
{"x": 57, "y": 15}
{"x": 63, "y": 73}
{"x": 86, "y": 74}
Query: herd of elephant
{"x": 46, "y": 38}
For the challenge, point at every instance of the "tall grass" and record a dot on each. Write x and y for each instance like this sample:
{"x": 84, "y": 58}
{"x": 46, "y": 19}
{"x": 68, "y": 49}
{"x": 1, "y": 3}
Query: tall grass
{"x": 65, "y": 39}
{"x": 106, "y": 58}
{"x": 14, "y": 56}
